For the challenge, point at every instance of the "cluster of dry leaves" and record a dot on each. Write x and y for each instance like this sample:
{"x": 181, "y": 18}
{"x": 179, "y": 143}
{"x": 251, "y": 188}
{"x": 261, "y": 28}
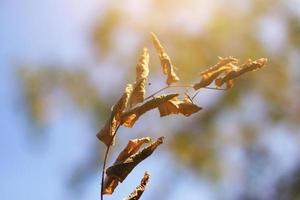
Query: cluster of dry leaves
{"x": 133, "y": 104}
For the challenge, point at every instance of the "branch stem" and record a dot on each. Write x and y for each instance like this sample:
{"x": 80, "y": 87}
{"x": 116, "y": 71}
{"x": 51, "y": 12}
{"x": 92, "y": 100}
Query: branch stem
{"x": 103, "y": 170}
{"x": 104, "y": 165}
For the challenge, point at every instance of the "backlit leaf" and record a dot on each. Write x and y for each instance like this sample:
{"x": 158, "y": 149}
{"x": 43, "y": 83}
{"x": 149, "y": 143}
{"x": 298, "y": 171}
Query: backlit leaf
{"x": 176, "y": 106}
{"x": 121, "y": 170}
{"x": 222, "y": 62}
{"x": 139, "y": 190}
{"x": 107, "y": 133}
{"x": 142, "y": 72}
{"x": 187, "y": 108}
{"x": 165, "y": 61}
{"x": 167, "y": 108}
{"x": 110, "y": 183}
{"x": 138, "y": 93}
{"x": 132, "y": 147}
{"x": 247, "y": 67}
{"x": 225, "y": 65}
{"x": 129, "y": 118}
{"x": 142, "y": 68}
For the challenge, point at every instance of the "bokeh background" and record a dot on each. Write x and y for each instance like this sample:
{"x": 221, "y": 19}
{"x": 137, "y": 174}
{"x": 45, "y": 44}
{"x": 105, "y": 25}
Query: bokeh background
{"x": 63, "y": 63}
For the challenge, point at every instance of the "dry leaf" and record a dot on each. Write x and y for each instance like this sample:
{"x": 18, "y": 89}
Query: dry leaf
{"x": 138, "y": 93}
{"x": 129, "y": 118}
{"x": 229, "y": 84}
{"x": 175, "y": 106}
{"x": 167, "y": 108}
{"x": 132, "y": 147}
{"x": 110, "y": 183}
{"x": 122, "y": 103}
{"x": 165, "y": 61}
{"x": 142, "y": 72}
{"x": 121, "y": 170}
{"x": 222, "y": 62}
{"x": 142, "y": 68}
{"x": 187, "y": 108}
{"x": 224, "y": 66}
{"x": 139, "y": 190}
{"x": 107, "y": 133}
{"x": 247, "y": 67}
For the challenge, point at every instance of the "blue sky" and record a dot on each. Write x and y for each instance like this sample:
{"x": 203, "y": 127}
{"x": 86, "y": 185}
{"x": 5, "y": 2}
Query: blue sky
{"x": 36, "y": 31}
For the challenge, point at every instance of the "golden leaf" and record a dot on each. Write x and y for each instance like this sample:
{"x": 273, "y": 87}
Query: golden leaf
{"x": 110, "y": 184}
{"x": 132, "y": 147}
{"x": 142, "y": 72}
{"x": 107, "y": 133}
{"x": 167, "y": 108}
{"x": 187, "y": 108}
{"x": 175, "y": 106}
{"x": 222, "y": 62}
{"x": 229, "y": 84}
{"x": 138, "y": 93}
{"x": 247, "y": 67}
{"x": 121, "y": 170}
{"x": 129, "y": 118}
{"x": 139, "y": 190}
{"x": 165, "y": 61}
{"x": 142, "y": 68}
{"x": 225, "y": 65}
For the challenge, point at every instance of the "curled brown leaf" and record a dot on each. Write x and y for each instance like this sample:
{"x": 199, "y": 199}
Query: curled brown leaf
{"x": 132, "y": 147}
{"x": 175, "y": 106}
{"x": 222, "y": 62}
{"x": 142, "y": 72}
{"x": 142, "y": 68}
{"x": 107, "y": 133}
{"x": 138, "y": 93}
{"x": 129, "y": 118}
{"x": 121, "y": 170}
{"x": 165, "y": 61}
{"x": 110, "y": 183}
{"x": 225, "y": 65}
{"x": 139, "y": 190}
{"x": 187, "y": 107}
{"x": 247, "y": 67}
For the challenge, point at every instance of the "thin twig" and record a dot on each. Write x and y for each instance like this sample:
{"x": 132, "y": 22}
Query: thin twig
{"x": 152, "y": 95}
{"x": 169, "y": 86}
{"x": 195, "y": 95}
{"x": 215, "y": 88}
{"x": 210, "y": 88}
{"x": 186, "y": 94}
{"x": 181, "y": 86}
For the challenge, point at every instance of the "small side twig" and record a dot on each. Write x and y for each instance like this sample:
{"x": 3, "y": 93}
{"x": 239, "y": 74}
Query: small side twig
{"x": 181, "y": 86}
{"x": 169, "y": 86}
{"x": 210, "y": 88}
{"x": 160, "y": 90}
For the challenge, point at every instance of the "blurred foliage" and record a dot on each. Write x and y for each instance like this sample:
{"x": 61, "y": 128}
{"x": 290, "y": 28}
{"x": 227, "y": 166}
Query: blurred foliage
{"x": 40, "y": 84}
{"x": 230, "y": 29}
